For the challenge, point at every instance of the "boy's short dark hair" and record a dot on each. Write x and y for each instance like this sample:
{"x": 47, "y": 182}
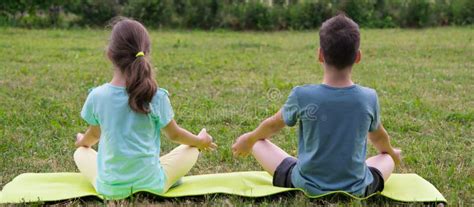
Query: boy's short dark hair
{"x": 339, "y": 39}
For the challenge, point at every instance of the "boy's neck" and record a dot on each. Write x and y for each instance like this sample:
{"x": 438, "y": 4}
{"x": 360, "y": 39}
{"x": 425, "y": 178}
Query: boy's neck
{"x": 337, "y": 78}
{"x": 118, "y": 79}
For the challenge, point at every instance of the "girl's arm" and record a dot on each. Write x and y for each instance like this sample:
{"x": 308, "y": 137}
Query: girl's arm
{"x": 265, "y": 130}
{"x": 177, "y": 134}
{"x": 90, "y": 138}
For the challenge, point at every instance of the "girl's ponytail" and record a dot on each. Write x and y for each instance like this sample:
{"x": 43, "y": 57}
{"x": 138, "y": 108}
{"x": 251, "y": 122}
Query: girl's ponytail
{"x": 129, "y": 50}
{"x": 141, "y": 86}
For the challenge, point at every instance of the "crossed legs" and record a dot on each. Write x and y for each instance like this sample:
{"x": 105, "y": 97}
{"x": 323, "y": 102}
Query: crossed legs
{"x": 384, "y": 163}
{"x": 86, "y": 161}
{"x": 270, "y": 156}
{"x": 176, "y": 163}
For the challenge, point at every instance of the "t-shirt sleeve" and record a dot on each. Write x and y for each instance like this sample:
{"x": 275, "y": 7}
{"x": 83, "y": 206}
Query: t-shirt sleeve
{"x": 87, "y": 112}
{"x": 374, "y": 125}
{"x": 164, "y": 109}
{"x": 290, "y": 110}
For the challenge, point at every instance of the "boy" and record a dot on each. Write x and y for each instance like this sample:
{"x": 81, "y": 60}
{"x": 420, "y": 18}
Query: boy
{"x": 335, "y": 119}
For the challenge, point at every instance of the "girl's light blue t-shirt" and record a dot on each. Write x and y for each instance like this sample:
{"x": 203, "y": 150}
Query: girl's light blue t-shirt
{"x": 129, "y": 146}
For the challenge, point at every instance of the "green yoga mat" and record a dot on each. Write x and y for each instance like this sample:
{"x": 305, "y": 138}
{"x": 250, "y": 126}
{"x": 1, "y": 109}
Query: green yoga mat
{"x": 32, "y": 187}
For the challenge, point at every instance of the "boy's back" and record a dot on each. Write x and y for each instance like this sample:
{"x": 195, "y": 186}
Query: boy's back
{"x": 333, "y": 128}
{"x": 335, "y": 120}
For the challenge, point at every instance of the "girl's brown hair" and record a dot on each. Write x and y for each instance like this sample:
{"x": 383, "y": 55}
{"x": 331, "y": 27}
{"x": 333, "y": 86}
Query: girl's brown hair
{"x": 129, "y": 38}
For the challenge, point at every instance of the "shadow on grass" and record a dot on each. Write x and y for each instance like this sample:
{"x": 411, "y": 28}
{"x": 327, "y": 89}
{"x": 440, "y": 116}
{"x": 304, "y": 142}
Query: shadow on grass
{"x": 292, "y": 198}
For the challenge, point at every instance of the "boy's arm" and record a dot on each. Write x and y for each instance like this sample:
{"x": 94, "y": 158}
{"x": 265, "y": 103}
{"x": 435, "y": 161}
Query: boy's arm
{"x": 266, "y": 129}
{"x": 381, "y": 141}
{"x": 177, "y": 134}
{"x": 90, "y": 138}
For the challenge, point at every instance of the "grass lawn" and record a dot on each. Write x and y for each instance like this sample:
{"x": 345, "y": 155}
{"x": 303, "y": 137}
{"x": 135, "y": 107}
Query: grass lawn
{"x": 228, "y": 82}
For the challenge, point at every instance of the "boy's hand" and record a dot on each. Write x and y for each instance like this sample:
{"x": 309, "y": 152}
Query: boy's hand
{"x": 396, "y": 156}
{"x": 243, "y": 145}
{"x": 206, "y": 141}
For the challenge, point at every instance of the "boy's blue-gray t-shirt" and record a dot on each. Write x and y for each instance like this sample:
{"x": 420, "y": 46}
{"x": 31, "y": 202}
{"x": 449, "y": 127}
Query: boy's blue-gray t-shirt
{"x": 333, "y": 128}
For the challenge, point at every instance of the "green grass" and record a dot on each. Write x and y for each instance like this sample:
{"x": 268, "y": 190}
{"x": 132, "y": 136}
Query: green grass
{"x": 228, "y": 82}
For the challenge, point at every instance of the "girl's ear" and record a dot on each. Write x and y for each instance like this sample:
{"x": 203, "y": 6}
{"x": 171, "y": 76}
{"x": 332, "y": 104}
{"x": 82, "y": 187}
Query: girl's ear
{"x": 320, "y": 55}
{"x": 107, "y": 53}
{"x": 358, "y": 56}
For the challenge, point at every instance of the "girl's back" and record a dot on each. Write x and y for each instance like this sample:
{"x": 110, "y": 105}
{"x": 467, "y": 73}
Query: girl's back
{"x": 129, "y": 142}
{"x": 126, "y": 117}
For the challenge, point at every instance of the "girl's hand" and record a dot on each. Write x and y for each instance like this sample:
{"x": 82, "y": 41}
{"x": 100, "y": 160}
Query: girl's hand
{"x": 79, "y": 138}
{"x": 243, "y": 145}
{"x": 206, "y": 141}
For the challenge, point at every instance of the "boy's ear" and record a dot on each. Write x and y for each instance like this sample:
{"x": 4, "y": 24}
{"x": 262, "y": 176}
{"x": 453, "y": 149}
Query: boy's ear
{"x": 358, "y": 56}
{"x": 320, "y": 55}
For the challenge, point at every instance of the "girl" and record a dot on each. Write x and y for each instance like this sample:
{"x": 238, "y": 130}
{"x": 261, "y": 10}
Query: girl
{"x": 126, "y": 117}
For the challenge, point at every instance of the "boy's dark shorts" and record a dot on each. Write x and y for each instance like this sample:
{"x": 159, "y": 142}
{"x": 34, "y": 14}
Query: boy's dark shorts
{"x": 282, "y": 176}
